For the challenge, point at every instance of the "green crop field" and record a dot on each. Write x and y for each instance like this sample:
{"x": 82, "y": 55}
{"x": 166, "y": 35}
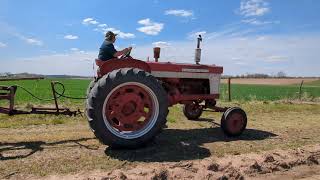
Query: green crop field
{"x": 270, "y": 92}
{"x": 42, "y": 89}
{"x": 240, "y": 92}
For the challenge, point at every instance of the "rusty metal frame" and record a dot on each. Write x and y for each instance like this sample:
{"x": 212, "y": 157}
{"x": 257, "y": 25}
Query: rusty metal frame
{"x": 8, "y": 93}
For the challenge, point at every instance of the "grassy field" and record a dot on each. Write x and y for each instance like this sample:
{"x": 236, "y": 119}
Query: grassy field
{"x": 240, "y": 92}
{"x": 42, "y": 89}
{"x": 244, "y": 92}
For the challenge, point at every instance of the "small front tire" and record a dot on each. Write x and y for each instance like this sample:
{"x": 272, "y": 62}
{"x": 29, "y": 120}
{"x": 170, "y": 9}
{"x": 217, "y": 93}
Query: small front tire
{"x": 192, "y": 111}
{"x": 234, "y": 121}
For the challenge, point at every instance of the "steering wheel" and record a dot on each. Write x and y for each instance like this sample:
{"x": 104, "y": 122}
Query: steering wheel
{"x": 127, "y": 54}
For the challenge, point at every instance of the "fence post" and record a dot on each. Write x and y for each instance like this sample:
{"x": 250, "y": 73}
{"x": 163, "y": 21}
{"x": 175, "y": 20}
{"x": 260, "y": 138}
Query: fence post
{"x": 300, "y": 90}
{"x": 229, "y": 89}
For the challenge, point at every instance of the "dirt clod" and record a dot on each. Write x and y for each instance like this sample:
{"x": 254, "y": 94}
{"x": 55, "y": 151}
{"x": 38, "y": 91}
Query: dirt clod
{"x": 284, "y": 165}
{"x": 161, "y": 175}
{"x": 256, "y": 166}
{"x": 269, "y": 158}
{"x": 232, "y": 174}
{"x": 213, "y": 167}
{"x": 312, "y": 160}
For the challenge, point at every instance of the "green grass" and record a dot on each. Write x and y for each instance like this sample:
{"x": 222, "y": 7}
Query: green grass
{"x": 240, "y": 92}
{"x": 244, "y": 92}
{"x": 42, "y": 89}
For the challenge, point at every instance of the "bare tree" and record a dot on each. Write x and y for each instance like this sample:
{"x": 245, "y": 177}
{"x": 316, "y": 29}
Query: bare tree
{"x": 281, "y": 74}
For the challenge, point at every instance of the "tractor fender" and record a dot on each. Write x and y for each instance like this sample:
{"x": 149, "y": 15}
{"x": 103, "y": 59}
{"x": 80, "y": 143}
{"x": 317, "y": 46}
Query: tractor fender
{"x": 107, "y": 66}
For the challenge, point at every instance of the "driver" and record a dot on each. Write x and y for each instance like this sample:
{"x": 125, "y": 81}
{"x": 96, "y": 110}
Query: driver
{"x": 107, "y": 50}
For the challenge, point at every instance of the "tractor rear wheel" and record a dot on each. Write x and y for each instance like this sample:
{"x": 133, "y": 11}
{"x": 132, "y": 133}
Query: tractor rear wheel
{"x": 90, "y": 86}
{"x": 127, "y": 108}
{"x": 234, "y": 121}
{"x": 192, "y": 111}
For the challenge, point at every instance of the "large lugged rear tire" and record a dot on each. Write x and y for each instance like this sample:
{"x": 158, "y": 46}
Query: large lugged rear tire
{"x": 127, "y": 108}
{"x": 90, "y": 86}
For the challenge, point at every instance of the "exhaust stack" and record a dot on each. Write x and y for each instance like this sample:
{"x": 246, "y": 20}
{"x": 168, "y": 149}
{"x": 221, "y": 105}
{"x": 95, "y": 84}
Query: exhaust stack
{"x": 197, "y": 56}
{"x": 156, "y": 53}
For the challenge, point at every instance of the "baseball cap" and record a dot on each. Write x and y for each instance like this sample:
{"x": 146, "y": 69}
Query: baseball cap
{"x": 110, "y": 33}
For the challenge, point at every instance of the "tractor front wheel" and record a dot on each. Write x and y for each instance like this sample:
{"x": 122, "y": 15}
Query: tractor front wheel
{"x": 127, "y": 108}
{"x": 234, "y": 121}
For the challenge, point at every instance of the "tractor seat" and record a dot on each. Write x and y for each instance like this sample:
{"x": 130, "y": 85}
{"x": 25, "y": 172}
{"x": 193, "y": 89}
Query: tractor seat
{"x": 99, "y": 62}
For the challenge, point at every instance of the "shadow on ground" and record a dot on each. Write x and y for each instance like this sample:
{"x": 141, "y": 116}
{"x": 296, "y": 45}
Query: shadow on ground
{"x": 20, "y": 150}
{"x": 174, "y": 145}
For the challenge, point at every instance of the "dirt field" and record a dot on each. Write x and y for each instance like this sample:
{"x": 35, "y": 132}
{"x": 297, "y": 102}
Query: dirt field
{"x": 282, "y": 141}
{"x": 270, "y": 81}
{"x": 301, "y": 163}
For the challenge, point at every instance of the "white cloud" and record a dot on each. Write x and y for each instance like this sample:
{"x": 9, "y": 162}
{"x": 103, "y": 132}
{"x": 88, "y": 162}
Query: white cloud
{"x": 33, "y": 41}
{"x": 102, "y": 25}
{"x": 236, "y": 58}
{"x": 276, "y": 58}
{"x": 103, "y": 28}
{"x": 234, "y": 32}
{"x": 145, "y": 21}
{"x": 179, "y": 12}
{"x": 121, "y": 34}
{"x": 89, "y": 21}
{"x": 150, "y": 27}
{"x": 8, "y": 29}
{"x": 254, "y": 8}
{"x": 78, "y": 51}
{"x": 70, "y": 37}
{"x": 161, "y": 44}
{"x": 240, "y": 63}
{"x": 3, "y": 45}
{"x": 126, "y": 35}
{"x": 262, "y": 38}
{"x": 257, "y": 22}
{"x": 74, "y": 49}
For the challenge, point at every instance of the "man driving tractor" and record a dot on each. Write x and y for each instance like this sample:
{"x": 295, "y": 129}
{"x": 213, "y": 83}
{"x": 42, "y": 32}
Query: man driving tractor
{"x": 107, "y": 50}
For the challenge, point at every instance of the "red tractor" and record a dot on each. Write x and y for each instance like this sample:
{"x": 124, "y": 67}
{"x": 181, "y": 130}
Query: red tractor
{"x": 128, "y": 102}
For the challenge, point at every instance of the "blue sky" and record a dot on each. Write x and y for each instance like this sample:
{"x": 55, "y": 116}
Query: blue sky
{"x": 244, "y": 36}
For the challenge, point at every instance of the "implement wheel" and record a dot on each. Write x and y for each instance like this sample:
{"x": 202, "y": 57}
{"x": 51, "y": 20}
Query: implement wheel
{"x": 192, "y": 111}
{"x": 234, "y": 121}
{"x": 127, "y": 108}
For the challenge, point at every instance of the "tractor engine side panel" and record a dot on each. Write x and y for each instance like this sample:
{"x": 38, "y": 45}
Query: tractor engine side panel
{"x": 187, "y": 83}
{"x": 185, "y": 79}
